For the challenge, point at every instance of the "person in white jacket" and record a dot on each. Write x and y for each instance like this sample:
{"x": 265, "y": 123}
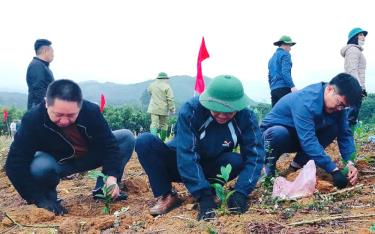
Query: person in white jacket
{"x": 355, "y": 65}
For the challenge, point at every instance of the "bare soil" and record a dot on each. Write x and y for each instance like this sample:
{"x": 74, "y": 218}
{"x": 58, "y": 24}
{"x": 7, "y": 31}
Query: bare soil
{"x": 85, "y": 213}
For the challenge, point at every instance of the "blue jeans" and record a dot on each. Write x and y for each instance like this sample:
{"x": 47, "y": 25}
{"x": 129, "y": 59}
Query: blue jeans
{"x": 280, "y": 139}
{"x": 48, "y": 172}
{"x": 160, "y": 163}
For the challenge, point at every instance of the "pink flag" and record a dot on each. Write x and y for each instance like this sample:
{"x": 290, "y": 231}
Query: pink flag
{"x": 203, "y": 54}
{"x": 5, "y": 117}
{"x": 102, "y": 103}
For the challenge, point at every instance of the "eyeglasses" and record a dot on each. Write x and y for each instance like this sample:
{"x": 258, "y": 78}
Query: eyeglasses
{"x": 340, "y": 104}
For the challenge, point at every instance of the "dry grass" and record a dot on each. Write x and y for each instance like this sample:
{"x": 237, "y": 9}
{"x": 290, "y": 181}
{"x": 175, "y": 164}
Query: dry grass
{"x": 4, "y": 147}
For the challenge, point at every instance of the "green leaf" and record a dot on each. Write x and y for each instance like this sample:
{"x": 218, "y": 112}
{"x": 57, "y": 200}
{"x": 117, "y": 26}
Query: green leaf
{"x": 218, "y": 180}
{"x": 94, "y": 174}
{"x": 105, "y": 210}
{"x": 219, "y": 189}
{"x": 372, "y": 228}
{"x": 225, "y": 171}
{"x": 229, "y": 194}
{"x": 100, "y": 195}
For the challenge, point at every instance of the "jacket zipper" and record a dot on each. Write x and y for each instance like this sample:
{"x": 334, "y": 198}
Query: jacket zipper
{"x": 74, "y": 151}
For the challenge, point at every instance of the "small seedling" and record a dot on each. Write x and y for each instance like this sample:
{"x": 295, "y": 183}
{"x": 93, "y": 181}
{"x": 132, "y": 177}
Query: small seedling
{"x": 221, "y": 192}
{"x": 107, "y": 191}
{"x": 372, "y": 228}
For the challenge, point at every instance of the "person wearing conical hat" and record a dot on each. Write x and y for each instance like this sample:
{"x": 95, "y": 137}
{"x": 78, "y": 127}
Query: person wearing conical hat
{"x": 161, "y": 104}
{"x": 208, "y": 129}
{"x": 355, "y": 65}
{"x": 279, "y": 70}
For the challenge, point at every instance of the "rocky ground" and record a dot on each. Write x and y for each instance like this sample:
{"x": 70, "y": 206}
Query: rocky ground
{"x": 324, "y": 212}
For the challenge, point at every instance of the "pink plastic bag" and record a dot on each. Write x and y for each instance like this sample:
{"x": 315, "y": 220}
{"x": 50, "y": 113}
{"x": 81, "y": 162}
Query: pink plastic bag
{"x": 302, "y": 186}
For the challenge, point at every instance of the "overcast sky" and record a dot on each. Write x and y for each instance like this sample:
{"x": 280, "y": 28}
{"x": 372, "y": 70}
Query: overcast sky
{"x": 131, "y": 41}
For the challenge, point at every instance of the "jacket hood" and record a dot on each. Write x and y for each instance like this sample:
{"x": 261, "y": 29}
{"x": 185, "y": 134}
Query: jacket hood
{"x": 347, "y": 47}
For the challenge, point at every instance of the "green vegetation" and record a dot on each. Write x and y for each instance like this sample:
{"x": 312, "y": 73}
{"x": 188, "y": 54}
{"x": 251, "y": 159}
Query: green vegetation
{"x": 221, "y": 192}
{"x": 372, "y": 228}
{"x": 13, "y": 114}
{"x": 107, "y": 191}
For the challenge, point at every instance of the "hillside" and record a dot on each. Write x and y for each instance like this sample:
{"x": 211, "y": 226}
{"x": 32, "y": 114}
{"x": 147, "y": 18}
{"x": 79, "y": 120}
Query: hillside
{"x": 9, "y": 99}
{"x": 116, "y": 94}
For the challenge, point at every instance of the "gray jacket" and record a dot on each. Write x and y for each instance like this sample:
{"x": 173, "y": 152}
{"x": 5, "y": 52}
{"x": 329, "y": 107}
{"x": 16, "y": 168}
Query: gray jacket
{"x": 355, "y": 62}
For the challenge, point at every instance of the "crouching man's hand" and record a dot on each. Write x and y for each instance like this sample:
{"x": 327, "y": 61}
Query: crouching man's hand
{"x": 112, "y": 181}
{"x": 237, "y": 203}
{"x": 352, "y": 174}
{"x": 207, "y": 207}
{"x": 339, "y": 179}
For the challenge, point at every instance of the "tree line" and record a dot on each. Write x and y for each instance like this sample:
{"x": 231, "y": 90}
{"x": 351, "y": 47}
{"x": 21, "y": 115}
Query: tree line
{"x": 136, "y": 119}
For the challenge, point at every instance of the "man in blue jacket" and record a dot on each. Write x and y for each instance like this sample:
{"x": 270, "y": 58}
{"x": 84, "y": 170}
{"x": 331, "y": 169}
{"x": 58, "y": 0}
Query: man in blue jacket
{"x": 60, "y": 137}
{"x": 279, "y": 70}
{"x": 309, "y": 120}
{"x": 208, "y": 129}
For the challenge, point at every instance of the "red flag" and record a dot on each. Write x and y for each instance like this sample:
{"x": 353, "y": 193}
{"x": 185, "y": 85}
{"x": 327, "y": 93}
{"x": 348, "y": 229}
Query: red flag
{"x": 203, "y": 54}
{"x": 5, "y": 117}
{"x": 102, "y": 103}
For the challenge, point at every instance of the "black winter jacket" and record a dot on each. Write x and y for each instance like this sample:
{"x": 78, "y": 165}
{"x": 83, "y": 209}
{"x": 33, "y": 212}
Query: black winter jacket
{"x": 38, "y": 77}
{"x": 38, "y": 133}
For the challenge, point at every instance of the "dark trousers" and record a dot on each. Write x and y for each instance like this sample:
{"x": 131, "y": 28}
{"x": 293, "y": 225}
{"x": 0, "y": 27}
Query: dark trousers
{"x": 280, "y": 139}
{"x": 278, "y": 93}
{"x": 160, "y": 163}
{"x": 48, "y": 172}
{"x": 353, "y": 113}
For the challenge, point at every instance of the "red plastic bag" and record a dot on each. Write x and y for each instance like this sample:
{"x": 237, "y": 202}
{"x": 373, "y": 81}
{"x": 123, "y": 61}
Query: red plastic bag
{"x": 302, "y": 186}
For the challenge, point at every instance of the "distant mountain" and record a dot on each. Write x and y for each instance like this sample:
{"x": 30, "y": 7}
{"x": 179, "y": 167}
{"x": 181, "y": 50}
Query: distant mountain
{"x": 116, "y": 94}
{"x": 15, "y": 99}
{"x": 120, "y": 94}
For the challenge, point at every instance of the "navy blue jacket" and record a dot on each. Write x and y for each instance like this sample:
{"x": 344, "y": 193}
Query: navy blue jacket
{"x": 279, "y": 70}
{"x": 38, "y": 133}
{"x": 199, "y": 138}
{"x": 38, "y": 77}
{"x": 304, "y": 111}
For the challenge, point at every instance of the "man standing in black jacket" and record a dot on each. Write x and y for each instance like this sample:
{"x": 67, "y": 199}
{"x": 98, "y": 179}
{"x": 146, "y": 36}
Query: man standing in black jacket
{"x": 39, "y": 76}
{"x": 63, "y": 136}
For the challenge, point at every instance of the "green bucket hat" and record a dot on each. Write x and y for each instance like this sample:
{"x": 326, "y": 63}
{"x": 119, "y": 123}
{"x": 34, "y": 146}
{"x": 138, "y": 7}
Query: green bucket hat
{"x": 162, "y": 75}
{"x": 355, "y": 31}
{"x": 284, "y": 40}
{"x": 224, "y": 94}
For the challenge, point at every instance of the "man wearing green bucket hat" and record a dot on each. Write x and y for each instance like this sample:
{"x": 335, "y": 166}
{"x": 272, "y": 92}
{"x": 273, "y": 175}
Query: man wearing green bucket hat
{"x": 161, "y": 104}
{"x": 279, "y": 70}
{"x": 355, "y": 65}
{"x": 208, "y": 130}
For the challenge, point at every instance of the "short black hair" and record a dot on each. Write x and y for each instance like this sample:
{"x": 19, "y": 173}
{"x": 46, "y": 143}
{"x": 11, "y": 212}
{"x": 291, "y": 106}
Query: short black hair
{"x": 349, "y": 87}
{"x": 39, "y": 44}
{"x": 64, "y": 89}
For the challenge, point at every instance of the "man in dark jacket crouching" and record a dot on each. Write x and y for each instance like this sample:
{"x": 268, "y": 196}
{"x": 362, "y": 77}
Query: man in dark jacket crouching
{"x": 209, "y": 128}
{"x": 63, "y": 136}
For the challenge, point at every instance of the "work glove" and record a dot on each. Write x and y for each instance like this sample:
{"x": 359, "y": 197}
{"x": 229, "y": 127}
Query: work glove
{"x": 51, "y": 205}
{"x": 207, "y": 207}
{"x": 237, "y": 203}
{"x": 364, "y": 93}
{"x": 339, "y": 179}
